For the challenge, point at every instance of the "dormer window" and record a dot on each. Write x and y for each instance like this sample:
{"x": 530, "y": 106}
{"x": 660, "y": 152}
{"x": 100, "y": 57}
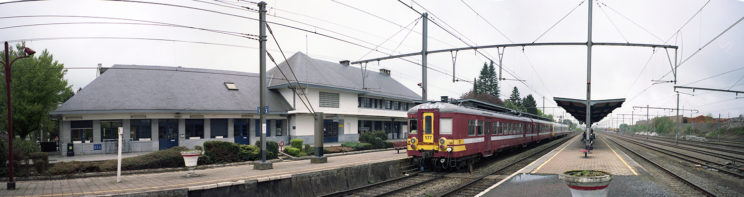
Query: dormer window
{"x": 231, "y": 86}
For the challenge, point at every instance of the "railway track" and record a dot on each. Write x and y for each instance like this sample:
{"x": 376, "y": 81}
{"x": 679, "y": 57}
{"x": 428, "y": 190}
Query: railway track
{"x": 669, "y": 172}
{"x": 481, "y": 183}
{"x": 695, "y": 160}
{"x": 440, "y": 183}
{"x": 731, "y": 147}
{"x": 735, "y": 155}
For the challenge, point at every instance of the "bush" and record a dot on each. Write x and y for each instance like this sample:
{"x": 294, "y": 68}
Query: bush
{"x": 272, "y": 149}
{"x": 365, "y": 146}
{"x": 169, "y": 158}
{"x": 199, "y": 148}
{"x": 354, "y": 145}
{"x": 296, "y": 143}
{"x": 222, "y": 152}
{"x": 41, "y": 161}
{"x": 377, "y": 139}
{"x": 388, "y": 144}
{"x": 292, "y": 151}
{"x": 309, "y": 150}
{"x": 248, "y": 152}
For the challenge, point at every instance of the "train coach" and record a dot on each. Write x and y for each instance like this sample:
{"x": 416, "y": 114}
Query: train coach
{"x": 448, "y": 136}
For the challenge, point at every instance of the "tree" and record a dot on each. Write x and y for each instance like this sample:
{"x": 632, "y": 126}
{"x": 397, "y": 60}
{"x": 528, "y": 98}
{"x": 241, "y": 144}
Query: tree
{"x": 38, "y": 87}
{"x": 530, "y": 104}
{"x": 515, "y": 101}
{"x": 483, "y": 97}
{"x": 483, "y": 81}
{"x": 493, "y": 81}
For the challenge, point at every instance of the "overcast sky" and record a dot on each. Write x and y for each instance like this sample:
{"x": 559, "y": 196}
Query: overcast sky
{"x": 548, "y": 71}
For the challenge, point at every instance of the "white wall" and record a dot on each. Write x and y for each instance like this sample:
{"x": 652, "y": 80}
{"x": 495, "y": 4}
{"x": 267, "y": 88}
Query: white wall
{"x": 348, "y": 104}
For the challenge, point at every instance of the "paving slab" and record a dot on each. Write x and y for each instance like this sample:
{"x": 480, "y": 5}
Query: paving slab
{"x": 176, "y": 180}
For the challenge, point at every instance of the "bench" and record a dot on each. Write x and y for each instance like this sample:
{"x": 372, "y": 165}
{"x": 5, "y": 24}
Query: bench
{"x": 400, "y": 145}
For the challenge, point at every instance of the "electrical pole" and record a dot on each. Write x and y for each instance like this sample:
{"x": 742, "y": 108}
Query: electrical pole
{"x": 648, "y": 124}
{"x": 588, "y": 78}
{"x": 676, "y": 130}
{"x": 719, "y": 128}
{"x": 263, "y": 165}
{"x": 424, "y": 34}
{"x": 543, "y": 111}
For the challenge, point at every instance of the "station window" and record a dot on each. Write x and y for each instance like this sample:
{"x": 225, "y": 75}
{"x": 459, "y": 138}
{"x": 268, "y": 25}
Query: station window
{"x": 279, "y": 127}
{"x": 140, "y": 130}
{"x": 195, "y": 128}
{"x": 81, "y": 131}
{"x": 218, "y": 128}
{"x": 110, "y": 129}
{"x": 413, "y": 126}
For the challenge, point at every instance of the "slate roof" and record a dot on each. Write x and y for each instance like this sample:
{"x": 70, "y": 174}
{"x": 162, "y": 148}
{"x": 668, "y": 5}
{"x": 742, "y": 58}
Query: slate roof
{"x": 152, "y": 89}
{"x": 331, "y": 75}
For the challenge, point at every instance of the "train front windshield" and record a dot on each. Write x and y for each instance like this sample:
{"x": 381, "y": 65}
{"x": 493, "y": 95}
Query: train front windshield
{"x": 413, "y": 125}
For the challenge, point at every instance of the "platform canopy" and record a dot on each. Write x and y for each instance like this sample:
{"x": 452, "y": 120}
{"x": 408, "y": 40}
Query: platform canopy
{"x": 577, "y": 108}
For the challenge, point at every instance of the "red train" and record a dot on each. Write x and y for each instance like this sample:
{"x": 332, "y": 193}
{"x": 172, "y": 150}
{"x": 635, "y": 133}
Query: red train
{"x": 448, "y": 136}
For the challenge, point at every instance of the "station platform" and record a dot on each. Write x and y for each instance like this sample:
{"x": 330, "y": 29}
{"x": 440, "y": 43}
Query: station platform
{"x": 176, "y": 180}
{"x": 628, "y": 177}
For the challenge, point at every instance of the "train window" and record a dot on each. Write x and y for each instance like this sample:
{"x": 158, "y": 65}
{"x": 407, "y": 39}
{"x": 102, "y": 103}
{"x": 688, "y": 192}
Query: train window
{"x": 471, "y": 127}
{"x": 495, "y": 128}
{"x": 501, "y": 128}
{"x": 427, "y": 124}
{"x": 479, "y": 124}
{"x": 445, "y": 126}
{"x": 413, "y": 125}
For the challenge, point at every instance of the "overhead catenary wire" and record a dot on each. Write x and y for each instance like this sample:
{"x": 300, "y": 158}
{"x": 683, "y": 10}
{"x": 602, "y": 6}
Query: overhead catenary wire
{"x": 632, "y": 21}
{"x": 612, "y": 22}
{"x": 557, "y": 22}
{"x": 268, "y": 27}
{"x": 706, "y": 44}
{"x": 488, "y": 22}
{"x": 466, "y": 43}
{"x": 414, "y": 22}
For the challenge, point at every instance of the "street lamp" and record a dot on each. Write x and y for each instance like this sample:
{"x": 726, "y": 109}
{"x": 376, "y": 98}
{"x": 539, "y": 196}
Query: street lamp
{"x": 7, "y": 63}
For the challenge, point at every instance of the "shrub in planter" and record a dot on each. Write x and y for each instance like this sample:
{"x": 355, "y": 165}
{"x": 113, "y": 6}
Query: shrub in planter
{"x": 272, "y": 149}
{"x": 296, "y": 143}
{"x": 365, "y": 146}
{"x": 353, "y": 145}
{"x": 377, "y": 138}
{"x": 41, "y": 161}
{"x": 221, "y": 152}
{"x": 248, "y": 152}
{"x": 292, "y": 151}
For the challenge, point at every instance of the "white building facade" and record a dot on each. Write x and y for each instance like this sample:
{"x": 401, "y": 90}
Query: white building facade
{"x": 162, "y": 107}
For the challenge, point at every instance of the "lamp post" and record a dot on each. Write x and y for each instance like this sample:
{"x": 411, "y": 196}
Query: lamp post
{"x": 7, "y": 63}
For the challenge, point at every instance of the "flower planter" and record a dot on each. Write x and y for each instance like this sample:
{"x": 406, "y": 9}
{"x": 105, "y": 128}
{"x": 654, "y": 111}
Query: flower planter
{"x": 190, "y": 158}
{"x": 587, "y": 182}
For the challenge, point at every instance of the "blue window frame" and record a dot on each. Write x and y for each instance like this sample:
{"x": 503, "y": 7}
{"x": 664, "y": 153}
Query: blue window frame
{"x": 195, "y": 128}
{"x": 140, "y": 128}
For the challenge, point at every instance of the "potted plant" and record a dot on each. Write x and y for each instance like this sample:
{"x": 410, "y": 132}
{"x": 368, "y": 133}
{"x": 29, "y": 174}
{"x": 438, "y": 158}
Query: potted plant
{"x": 587, "y": 182}
{"x": 190, "y": 158}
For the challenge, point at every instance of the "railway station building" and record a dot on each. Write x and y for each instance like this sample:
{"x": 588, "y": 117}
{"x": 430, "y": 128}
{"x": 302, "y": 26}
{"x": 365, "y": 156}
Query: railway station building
{"x": 161, "y": 107}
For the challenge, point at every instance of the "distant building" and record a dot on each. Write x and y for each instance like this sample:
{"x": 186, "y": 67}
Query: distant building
{"x": 160, "y": 107}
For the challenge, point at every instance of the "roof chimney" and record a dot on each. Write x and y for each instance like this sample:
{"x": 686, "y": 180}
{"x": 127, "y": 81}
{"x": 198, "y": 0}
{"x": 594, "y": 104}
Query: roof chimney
{"x": 385, "y": 71}
{"x": 98, "y": 70}
{"x": 344, "y": 62}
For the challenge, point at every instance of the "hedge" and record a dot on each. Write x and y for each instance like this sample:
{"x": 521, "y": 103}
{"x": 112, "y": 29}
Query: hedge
{"x": 292, "y": 151}
{"x": 168, "y": 158}
{"x": 272, "y": 149}
{"x": 296, "y": 143}
{"x": 249, "y": 152}
{"x": 377, "y": 138}
{"x": 222, "y": 152}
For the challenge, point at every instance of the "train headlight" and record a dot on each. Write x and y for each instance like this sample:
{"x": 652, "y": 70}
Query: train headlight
{"x": 442, "y": 140}
{"x": 449, "y": 149}
{"x": 413, "y": 140}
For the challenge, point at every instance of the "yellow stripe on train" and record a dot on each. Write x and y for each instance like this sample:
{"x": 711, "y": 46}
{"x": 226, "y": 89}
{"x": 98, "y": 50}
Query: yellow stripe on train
{"x": 436, "y": 147}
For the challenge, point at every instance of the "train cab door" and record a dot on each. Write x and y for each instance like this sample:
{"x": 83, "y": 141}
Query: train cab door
{"x": 428, "y": 127}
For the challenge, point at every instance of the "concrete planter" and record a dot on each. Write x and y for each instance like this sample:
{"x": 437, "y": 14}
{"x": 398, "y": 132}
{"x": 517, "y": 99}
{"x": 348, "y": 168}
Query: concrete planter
{"x": 587, "y": 183}
{"x": 191, "y": 158}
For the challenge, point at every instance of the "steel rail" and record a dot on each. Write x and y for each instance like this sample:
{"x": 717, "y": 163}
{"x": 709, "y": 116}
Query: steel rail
{"x": 517, "y": 45}
{"x": 691, "y": 159}
{"x": 683, "y": 180}
{"x": 700, "y": 149}
{"x": 474, "y": 180}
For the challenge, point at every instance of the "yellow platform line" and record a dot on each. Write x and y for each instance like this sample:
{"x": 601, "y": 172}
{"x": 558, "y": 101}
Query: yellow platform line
{"x": 551, "y": 158}
{"x": 621, "y": 159}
